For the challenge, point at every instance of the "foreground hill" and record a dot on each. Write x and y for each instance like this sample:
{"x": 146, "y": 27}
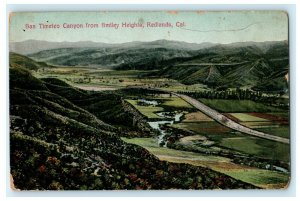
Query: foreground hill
{"x": 59, "y": 142}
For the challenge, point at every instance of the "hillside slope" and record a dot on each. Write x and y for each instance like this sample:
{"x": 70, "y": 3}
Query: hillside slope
{"x": 116, "y": 58}
{"x": 18, "y": 60}
{"x": 261, "y": 66}
{"x": 34, "y": 46}
{"x": 55, "y": 145}
{"x": 257, "y": 66}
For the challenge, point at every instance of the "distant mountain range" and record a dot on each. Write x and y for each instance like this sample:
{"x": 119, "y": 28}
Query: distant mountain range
{"x": 261, "y": 65}
{"x": 34, "y": 46}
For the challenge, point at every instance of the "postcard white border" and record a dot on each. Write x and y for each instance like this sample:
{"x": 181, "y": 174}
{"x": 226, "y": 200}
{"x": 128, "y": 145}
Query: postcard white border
{"x": 291, "y": 191}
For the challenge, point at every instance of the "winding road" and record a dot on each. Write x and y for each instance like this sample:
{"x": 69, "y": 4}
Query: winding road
{"x": 222, "y": 119}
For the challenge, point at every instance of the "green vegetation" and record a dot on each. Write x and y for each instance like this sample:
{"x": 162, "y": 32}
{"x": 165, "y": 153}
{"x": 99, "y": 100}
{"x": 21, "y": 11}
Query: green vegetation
{"x": 148, "y": 111}
{"x": 258, "y": 177}
{"x": 258, "y": 147}
{"x": 218, "y": 66}
{"x": 17, "y": 60}
{"x": 143, "y": 142}
{"x": 258, "y": 124}
{"x": 104, "y": 105}
{"x": 57, "y": 144}
{"x": 238, "y": 106}
{"x": 280, "y": 130}
{"x": 176, "y": 102}
{"x": 281, "y": 114}
{"x": 196, "y": 117}
{"x": 226, "y": 138}
{"x": 178, "y": 87}
{"x": 152, "y": 145}
{"x": 246, "y": 145}
{"x": 123, "y": 73}
{"x": 63, "y": 137}
{"x": 204, "y": 128}
{"x": 247, "y": 117}
{"x": 262, "y": 178}
{"x": 225, "y": 74}
{"x": 19, "y": 76}
{"x": 99, "y": 79}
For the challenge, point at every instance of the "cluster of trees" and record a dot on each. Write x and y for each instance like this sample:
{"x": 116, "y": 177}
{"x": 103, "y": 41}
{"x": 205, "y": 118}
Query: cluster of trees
{"x": 236, "y": 94}
{"x": 239, "y": 94}
{"x": 80, "y": 80}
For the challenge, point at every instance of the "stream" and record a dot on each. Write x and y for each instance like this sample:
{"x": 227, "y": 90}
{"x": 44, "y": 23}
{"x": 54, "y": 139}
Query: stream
{"x": 158, "y": 125}
{"x": 166, "y": 118}
{"x": 172, "y": 117}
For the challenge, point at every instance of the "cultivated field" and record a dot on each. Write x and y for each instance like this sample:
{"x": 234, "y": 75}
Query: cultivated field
{"x": 98, "y": 79}
{"x": 207, "y": 133}
{"x": 238, "y": 106}
{"x": 148, "y": 111}
{"x": 196, "y": 117}
{"x": 255, "y": 176}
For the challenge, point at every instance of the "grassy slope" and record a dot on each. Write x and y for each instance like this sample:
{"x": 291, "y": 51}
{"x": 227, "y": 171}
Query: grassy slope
{"x": 281, "y": 131}
{"x": 238, "y": 106}
{"x": 259, "y": 147}
{"x": 255, "y": 69}
{"x": 18, "y": 60}
{"x": 258, "y": 177}
{"x": 55, "y": 145}
{"x": 176, "y": 102}
{"x": 246, "y": 117}
{"x": 239, "y": 142}
{"x": 148, "y": 111}
{"x": 106, "y": 106}
{"x": 252, "y": 63}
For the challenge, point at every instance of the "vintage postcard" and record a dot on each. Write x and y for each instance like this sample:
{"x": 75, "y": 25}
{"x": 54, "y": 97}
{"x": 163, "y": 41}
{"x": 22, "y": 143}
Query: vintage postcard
{"x": 149, "y": 100}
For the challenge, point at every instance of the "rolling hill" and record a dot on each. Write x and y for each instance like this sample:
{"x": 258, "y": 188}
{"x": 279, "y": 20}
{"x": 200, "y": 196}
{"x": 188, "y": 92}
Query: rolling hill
{"x": 257, "y": 74}
{"x": 62, "y": 138}
{"x": 34, "y": 46}
{"x": 18, "y": 60}
{"x": 257, "y": 66}
{"x": 260, "y": 66}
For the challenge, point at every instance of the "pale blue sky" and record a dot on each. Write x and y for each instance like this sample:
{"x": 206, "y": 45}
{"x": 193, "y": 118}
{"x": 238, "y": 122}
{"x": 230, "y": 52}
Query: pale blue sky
{"x": 216, "y": 27}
